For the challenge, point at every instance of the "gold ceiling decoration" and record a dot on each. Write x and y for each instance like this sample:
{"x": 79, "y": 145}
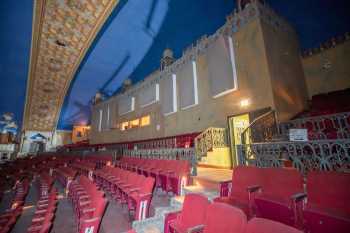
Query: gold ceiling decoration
{"x": 63, "y": 30}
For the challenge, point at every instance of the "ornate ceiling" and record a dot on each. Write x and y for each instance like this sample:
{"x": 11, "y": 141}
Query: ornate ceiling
{"x": 63, "y": 30}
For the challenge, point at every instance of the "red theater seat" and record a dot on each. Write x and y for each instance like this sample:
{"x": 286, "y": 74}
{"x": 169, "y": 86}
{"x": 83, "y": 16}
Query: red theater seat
{"x": 224, "y": 218}
{"x": 139, "y": 199}
{"x": 328, "y": 206}
{"x": 261, "y": 225}
{"x": 282, "y": 192}
{"x": 246, "y": 180}
{"x": 192, "y": 214}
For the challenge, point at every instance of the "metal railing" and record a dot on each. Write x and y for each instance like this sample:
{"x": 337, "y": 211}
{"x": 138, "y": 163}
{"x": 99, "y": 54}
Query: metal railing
{"x": 166, "y": 153}
{"x": 327, "y": 155}
{"x": 262, "y": 129}
{"x": 321, "y": 127}
{"x": 209, "y": 139}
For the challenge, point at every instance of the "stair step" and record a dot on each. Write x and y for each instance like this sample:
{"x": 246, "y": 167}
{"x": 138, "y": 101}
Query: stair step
{"x": 211, "y": 194}
{"x": 156, "y": 224}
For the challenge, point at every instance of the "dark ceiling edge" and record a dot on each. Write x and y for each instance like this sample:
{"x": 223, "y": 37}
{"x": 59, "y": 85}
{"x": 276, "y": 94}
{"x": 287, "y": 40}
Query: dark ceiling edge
{"x": 110, "y": 19}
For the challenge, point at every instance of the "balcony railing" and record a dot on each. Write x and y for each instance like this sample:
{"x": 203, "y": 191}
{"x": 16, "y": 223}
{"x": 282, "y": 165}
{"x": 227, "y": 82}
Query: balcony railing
{"x": 166, "y": 153}
{"x": 333, "y": 126}
{"x": 327, "y": 155}
{"x": 209, "y": 139}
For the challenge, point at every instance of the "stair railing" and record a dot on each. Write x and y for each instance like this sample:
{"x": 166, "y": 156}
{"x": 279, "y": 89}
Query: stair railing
{"x": 209, "y": 139}
{"x": 263, "y": 129}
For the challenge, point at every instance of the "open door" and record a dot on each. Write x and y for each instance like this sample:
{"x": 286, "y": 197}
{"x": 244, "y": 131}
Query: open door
{"x": 237, "y": 124}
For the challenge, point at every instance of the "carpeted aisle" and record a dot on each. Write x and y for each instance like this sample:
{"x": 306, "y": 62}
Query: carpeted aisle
{"x": 25, "y": 219}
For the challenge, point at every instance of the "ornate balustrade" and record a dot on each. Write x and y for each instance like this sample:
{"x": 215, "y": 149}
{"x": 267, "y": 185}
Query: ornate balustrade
{"x": 163, "y": 153}
{"x": 166, "y": 153}
{"x": 333, "y": 126}
{"x": 209, "y": 139}
{"x": 328, "y": 155}
{"x": 262, "y": 129}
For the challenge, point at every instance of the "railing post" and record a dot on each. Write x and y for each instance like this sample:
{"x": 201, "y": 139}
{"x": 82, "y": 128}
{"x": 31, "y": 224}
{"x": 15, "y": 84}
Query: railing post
{"x": 240, "y": 155}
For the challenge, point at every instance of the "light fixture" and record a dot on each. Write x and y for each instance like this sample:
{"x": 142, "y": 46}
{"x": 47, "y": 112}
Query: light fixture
{"x": 244, "y": 103}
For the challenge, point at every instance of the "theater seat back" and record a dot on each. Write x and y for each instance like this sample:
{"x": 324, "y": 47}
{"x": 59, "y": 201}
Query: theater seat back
{"x": 224, "y": 218}
{"x": 242, "y": 177}
{"x": 281, "y": 183}
{"x": 193, "y": 210}
{"x": 261, "y": 225}
{"x": 329, "y": 190}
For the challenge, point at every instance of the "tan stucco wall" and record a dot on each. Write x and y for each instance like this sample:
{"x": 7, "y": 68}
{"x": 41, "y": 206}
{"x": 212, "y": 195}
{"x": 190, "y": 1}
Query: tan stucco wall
{"x": 287, "y": 76}
{"x": 253, "y": 84}
{"x": 62, "y": 137}
{"x": 83, "y": 131}
{"x": 337, "y": 77}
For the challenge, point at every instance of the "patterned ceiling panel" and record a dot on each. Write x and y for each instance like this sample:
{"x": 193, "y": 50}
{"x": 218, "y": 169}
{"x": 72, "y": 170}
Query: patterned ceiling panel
{"x": 63, "y": 30}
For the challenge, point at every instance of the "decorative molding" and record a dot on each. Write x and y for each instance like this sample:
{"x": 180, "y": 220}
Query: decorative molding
{"x": 63, "y": 30}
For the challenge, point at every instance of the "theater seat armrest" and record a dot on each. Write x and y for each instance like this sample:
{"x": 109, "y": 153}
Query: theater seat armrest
{"x": 42, "y": 206}
{"x": 89, "y": 210}
{"x": 84, "y": 197}
{"x": 195, "y": 229}
{"x": 298, "y": 197}
{"x": 253, "y": 188}
{"x": 134, "y": 189}
{"x": 90, "y": 220}
{"x": 142, "y": 195}
{"x": 81, "y": 203}
{"x": 35, "y": 220}
{"x": 40, "y": 211}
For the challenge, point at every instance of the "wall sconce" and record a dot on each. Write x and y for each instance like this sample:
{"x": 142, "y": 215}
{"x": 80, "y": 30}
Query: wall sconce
{"x": 244, "y": 103}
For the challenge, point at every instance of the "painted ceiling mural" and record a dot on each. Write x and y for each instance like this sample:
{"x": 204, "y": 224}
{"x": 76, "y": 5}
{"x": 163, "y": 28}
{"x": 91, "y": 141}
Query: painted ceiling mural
{"x": 62, "y": 33}
{"x": 85, "y": 46}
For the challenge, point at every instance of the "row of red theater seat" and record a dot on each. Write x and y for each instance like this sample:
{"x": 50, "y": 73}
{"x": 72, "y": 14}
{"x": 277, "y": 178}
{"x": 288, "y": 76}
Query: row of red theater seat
{"x": 280, "y": 194}
{"x": 99, "y": 160}
{"x": 44, "y": 183}
{"x": 88, "y": 203}
{"x": 199, "y": 215}
{"x": 170, "y": 175}
{"x": 9, "y": 218}
{"x": 45, "y": 208}
{"x": 64, "y": 175}
{"x": 83, "y": 167}
{"x": 127, "y": 187}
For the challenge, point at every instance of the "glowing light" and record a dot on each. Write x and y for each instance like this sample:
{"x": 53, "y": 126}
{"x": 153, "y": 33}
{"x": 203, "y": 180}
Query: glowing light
{"x": 244, "y": 103}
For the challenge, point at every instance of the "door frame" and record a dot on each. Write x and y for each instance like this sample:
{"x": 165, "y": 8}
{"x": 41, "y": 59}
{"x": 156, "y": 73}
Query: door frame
{"x": 250, "y": 113}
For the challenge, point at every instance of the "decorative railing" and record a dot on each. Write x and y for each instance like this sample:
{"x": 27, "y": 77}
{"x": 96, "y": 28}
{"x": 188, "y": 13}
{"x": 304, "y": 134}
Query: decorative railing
{"x": 166, "y": 153}
{"x": 209, "y": 139}
{"x": 262, "y": 129}
{"x": 333, "y": 126}
{"x": 327, "y": 155}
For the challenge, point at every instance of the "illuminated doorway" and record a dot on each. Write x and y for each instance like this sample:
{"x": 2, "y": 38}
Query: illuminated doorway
{"x": 237, "y": 124}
